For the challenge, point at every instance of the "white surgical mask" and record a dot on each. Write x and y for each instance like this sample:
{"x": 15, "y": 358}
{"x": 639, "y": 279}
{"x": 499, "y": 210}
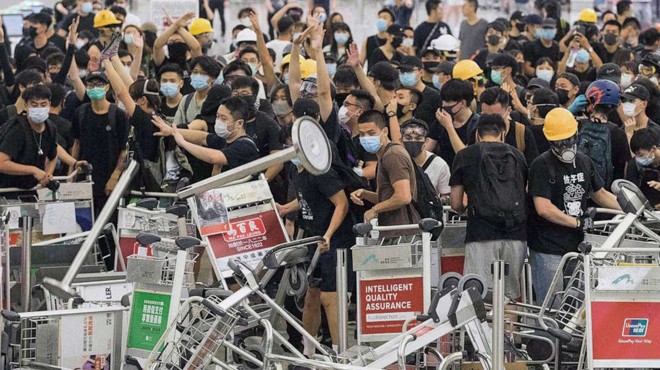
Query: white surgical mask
{"x": 80, "y": 43}
{"x": 246, "y": 22}
{"x": 407, "y": 42}
{"x": 629, "y": 109}
{"x": 38, "y": 115}
{"x": 626, "y": 80}
{"x": 221, "y": 128}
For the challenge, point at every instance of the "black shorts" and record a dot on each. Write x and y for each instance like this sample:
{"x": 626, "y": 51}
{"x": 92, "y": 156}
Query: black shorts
{"x": 326, "y": 269}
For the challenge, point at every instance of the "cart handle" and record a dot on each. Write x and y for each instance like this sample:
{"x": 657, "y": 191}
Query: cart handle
{"x": 53, "y": 185}
{"x": 270, "y": 259}
{"x": 425, "y": 224}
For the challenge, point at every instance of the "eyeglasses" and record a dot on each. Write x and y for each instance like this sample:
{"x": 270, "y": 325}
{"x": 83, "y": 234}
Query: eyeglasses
{"x": 348, "y": 105}
{"x": 93, "y": 85}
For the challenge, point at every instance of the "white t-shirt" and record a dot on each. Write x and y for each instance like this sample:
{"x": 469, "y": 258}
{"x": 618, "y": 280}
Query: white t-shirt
{"x": 439, "y": 173}
{"x": 278, "y": 46}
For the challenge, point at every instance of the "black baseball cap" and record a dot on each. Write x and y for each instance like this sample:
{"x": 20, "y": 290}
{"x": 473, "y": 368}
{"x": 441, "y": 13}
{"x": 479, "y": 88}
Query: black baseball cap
{"x": 538, "y": 83}
{"x": 445, "y": 67}
{"x": 518, "y": 16}
{"x": 636, "y": 91}
{"x": 609, "y": 71}
{"x": 97, "y": 76}
{"x": 549, "y": 23}
{"x": 411, "y": 62}
{"x": 533, "y": 19}
{"x": 395, "y": 30}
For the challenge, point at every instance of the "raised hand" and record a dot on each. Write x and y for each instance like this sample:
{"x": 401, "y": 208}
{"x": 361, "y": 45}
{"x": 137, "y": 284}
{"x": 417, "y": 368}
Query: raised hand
{"x": 254, "y": 18}
{"x": 163, "y": 128}
{"x": 303, "y": 36}
{"x": 317, "y": 39}
{"x": 72, "y": 37}
{"x": 443, "y": 117}
{"x": 353, "y": 55}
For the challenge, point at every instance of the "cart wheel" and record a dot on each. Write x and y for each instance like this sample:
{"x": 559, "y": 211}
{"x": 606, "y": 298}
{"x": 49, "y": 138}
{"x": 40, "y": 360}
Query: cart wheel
{"x": 297, "y": 281}
{"x": 449, "y": 280}
{"x": 300, "y": 302}
{"x": 474, "y": 281}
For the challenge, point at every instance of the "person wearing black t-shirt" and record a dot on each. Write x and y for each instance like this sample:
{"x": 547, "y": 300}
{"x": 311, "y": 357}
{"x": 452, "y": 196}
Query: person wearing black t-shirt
{"x": 39, "y": 24}
{"x": 432, "y": 28}
{"x": 487, "y": 240}
{"x": 373, "y": 42}
{"x": 539, "y": 105}
{"x": 171, "y": 83}
{"x": 544, "y": 46}
{"x": 28, "y": 144}
{"x": 411, "y": 70}
{"x": 227, "y": 148}
{"x": 449, "y": 132}
{"x": 86, "y": 19}
{"x": 387, "y": 52}
{"x": 324, "y": 212}
{"x": 561, "y": 181}
{"x": 644, "y": 169}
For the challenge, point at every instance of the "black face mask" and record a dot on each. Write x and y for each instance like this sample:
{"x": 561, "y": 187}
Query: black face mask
{"x": 253, "y": 105}
{"x": 414, "y": 148}
{"x": 177, "y": 51}
{"x": 520, "y": 27}
{"x": 32, "y": 32}
{"x": 396, "y": 42}
{"x": 562, "y": 94}
{"x": 493, "y": 40}
{"x": 428, "y": 66}
{"x": 340, "y": 97}
{"x": 399, "y": 110}
{"x": 26, "y": 32}
{"x": 610, "y": 39}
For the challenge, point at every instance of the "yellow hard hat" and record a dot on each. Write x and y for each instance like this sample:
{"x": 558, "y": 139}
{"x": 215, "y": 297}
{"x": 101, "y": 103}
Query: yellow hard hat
{"x": 200, "y": 26}
{"x": 466, "y": 69}
{"x": 105, "y": 18}
{"x": 307, "y": 68}
{"x": 559, "y": 125}
{"x": 588, "y": 15}
{"x": 287, "y": 59}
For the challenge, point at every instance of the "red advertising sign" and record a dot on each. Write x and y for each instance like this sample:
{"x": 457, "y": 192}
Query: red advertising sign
{"x": 626, "y": 330}
{"x": 248, "y": 238}
{"x": 386, "y": 303}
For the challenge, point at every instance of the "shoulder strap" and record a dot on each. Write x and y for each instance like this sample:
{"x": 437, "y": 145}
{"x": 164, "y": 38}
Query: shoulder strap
{"x": 428, "y": 38}
{"x": 520, "y": 136}
{"x": 428, "y": 162}
{"x": 112, "y": 116}
{"x": 186, "y": 104}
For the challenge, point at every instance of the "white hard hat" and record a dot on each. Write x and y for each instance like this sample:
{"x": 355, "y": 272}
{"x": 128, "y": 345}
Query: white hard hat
{"x": 445, "y": 43}
{"x": 246, "y": 35}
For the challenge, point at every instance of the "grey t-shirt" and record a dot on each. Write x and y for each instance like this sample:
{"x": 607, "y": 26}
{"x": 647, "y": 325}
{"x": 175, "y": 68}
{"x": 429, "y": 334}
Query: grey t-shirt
{"x": 472, "y": 37}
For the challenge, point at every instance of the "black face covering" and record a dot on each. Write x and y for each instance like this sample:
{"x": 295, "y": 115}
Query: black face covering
{"x": 399, "y": 110}
{"x": 32, "y": 32}
{"x": 26, "y": 32}
{"x": 428, "y": 66}
{"x": 413, "y": 147}
{"x": 177, "y": 51}
{"x": 252, "y": 104}
{"x": 396, "y": 42}
{"x": 493, "y": 40}
{"x": 610, "y": 39}
{"x": 562, "y": 94}
{"x": 340, "y": 97}
{"x": 520, "y": 27}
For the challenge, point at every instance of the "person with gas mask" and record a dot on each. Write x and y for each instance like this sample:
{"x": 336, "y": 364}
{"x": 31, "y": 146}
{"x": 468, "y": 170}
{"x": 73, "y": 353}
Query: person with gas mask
{"x": 413, "y": 136}
{"x": 205, "y": 71}
{"x": 633, "y": 111}
{"x": 561, "y": 181}
{"x": 387, "y": 52}
{"x": 650, "y": 67}
{"x": 644, "y": 169}
{"x": 181, "y": 45}
{"x": 227, "y": 147}
{"x": 600, "y": 139}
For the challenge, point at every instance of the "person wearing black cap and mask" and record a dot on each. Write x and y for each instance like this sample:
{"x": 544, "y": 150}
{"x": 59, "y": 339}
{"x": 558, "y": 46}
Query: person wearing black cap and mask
{"x": 611, "y": 41}
{"x": 517, "y": 26}
{"x": 387, "y": 52}
{"x": 632, "y": 111}
{"x": 567, "y": 87}
{"x": 442, "y": 74}
{"x": 494, "y": 36}
{"x": 410, "y": 75}
{"x": 385, "y": 79}
{"x": 430, "y": 60}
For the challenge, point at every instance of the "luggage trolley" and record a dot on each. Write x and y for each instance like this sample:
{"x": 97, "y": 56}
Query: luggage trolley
{"x": 393, "y": 277}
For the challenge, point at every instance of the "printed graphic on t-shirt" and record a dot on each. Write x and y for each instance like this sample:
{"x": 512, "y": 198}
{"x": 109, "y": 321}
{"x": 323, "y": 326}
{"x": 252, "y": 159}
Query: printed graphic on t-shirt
{"x": 305, "y": 210}
{"x": 573, "y": 194}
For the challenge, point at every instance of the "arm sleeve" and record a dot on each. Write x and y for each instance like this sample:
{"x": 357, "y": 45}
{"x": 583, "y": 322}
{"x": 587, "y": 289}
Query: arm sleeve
{"x": 538, "y": 184}
{"x": 52, "y": 153}
{"x": 328, "y": 184}
{"x": 6, "y": 67}
{"x": 531, "y": 150}
{"x": 274, "y": 137}
{"x": 12, "y": 142}
{"x": 398, "y": 167}
{"x": 456, "y": 177}
{"x": 66, "y": 65}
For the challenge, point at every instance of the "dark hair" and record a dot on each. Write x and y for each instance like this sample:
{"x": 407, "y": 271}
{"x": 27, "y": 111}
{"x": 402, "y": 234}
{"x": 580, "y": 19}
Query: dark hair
{"x": 632, "y": 21}
{"x": 572, "y": 78}
{"x": 235, "y": 66}
{"x": 48, "y": 51}
{"x": 57, "y": 94}
{"x": 245, "y": 11}
{"x": 284, "y": 24}
{"x": 431, "y": 5}
{"x": 170, "y": 67}
{"x": 456, "y": 90}
{"x": 246, "y": 81}
{"x": 40, "y": 18}
{"x": 29, "y": 77}
{"x": 506, "y": 60}
{"x": 654, "y": 102}
{"x": 55, "y": 59}
{"x": 124, "y": 53}
{"x": 649, "y": 36}
{"x": 118, "y": 10}
{"x": 36, "y": 92}
{"x": 490, "y": 125}
{"x": 623, "y": 6}
{"x": 248, "y": 50}
{"x": 374, "y": 116}
{"x": 621, "y": 56}
{"x": 237, "y": 107}
{"x": 391, "y": 13}
{"x": 364, "y": 98}
{"x": 287, "y": 92}
{"x": 238, "y": 27}
{"x": 415, "y": 123}
{"x": 82, "y": 58}
{"x": 602, "y": 16}
{"x": 545, "y": 96}
{"x": 543, "y": 60}
{"x": 387, "y": 75}
{"x": 208, "y": 64}
{"x": 346, "y": 76}
{"x": 137, "y": 89}
{"x": 340, "y": 27}
{"x": 271, "y": 53}
{"x": 552, "y": 9}
{"x": 474, "y": 3}
{"x": 505, "y": 22}
{"x": 497, "y": 26}
{"x": 415, "y": 96}
{"x": 643, "y": 139}
{"x": 612, "y": 22}
{"x": 494, "y": 95}
{"x": 306, "y": 107}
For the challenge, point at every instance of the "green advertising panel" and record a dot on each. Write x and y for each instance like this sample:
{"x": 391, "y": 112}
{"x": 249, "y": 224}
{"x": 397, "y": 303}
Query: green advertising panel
{"x": 149, "y": 313}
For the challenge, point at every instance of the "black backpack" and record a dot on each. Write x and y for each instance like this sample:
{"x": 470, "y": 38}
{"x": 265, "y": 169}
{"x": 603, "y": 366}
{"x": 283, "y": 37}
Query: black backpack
{"x": 352, "y": 182}
{"x": 595, "y": 141}
{"x": 500, "y": 194}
